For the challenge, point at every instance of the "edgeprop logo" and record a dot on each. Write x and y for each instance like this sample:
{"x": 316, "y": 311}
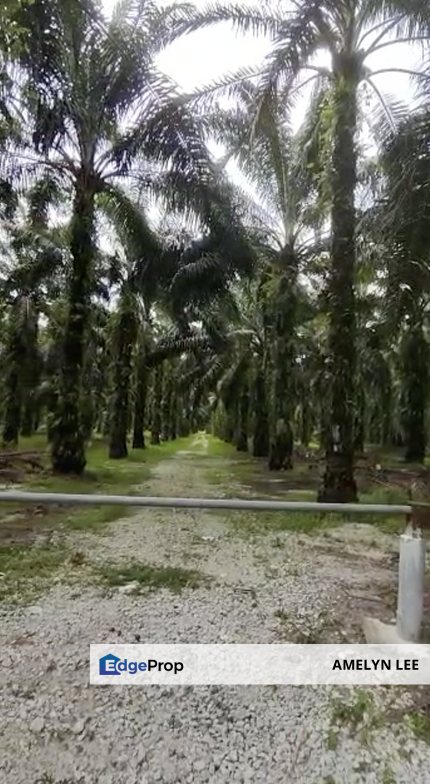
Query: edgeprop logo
{"x": 113, "y": 665}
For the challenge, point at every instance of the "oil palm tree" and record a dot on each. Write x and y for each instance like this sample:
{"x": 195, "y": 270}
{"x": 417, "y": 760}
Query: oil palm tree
{"x": 403, "y": 224}
{"x": 270, "y": 157}
{"x": 182, "y": 279}
{"x": 124, "y": 333}
{"x": 99, "y": 112}
{"x": 32, "y": 262}
{"x": 348, "y": 33}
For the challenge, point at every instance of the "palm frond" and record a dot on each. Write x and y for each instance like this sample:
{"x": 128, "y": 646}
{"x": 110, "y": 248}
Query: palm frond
{"x": 297, "y": 39}
{"x": 386, "y": 114}
{"x": 148, "y": 260}
{"x": 45, "y": 193}
{"x": 173, "y": 346}
{"x": 245, "y": 19}
{"x": 8, "y": 200}
{"x": 130, "y": 222}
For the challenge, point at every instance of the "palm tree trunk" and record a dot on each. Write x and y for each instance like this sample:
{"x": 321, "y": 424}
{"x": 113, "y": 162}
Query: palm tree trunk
{"x": 168, "y": 411}
{"x": 88, "y": 397}
{"x": 12, "y": 418}
{"x": 52, "y": 402}
{"x": 68, "y": 445}
{"x": 15, "y": 353}
{"x": 184, "y": 415}
{"x": 173, "y": 427}
{"x": 260, "y": 445}
{"x": 140, "y": 405}
{"x": 229, "y": 427}
{"x": 281, "y": 446}
{"x": 305, "y": 423}
{"x": 30, "y": 371}
{"x": 37, "y": 417}
{"x": 174, "y": 405}
{"x": 21, "y": 366}
{"x": 243, "y": 411}
{"x": 387, "y": 418}
{"x": 156, "y": 405}
{"x": 27, "y": 419}
{"x": 360, "y": 418}
{"x": 283, "y": 392}
{"x": 415, "y": 356}
{"x": 124, "y": 338}
{"x": 338, "y": 483}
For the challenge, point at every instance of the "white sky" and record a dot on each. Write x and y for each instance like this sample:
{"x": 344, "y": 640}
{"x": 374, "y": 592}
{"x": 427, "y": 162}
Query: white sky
{"x": 201, "y": 57}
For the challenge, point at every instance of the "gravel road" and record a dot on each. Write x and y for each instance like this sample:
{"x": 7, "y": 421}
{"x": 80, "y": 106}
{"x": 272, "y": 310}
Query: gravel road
{"x": 58, "y": 729}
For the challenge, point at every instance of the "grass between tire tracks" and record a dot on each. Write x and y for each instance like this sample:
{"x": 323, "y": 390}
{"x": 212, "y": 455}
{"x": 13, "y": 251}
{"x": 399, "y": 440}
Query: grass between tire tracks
{"x": 153, "y": 577}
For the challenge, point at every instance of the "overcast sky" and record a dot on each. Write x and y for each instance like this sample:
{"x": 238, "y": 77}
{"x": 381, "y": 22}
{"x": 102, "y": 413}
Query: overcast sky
{"x": 202, "y": 57}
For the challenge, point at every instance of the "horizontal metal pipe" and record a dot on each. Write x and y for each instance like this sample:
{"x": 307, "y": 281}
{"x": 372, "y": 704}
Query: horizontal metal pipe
{"x": 88, "y": 499}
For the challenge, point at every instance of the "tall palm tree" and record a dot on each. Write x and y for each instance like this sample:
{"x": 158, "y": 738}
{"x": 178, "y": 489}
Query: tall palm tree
{"x": 32, "y": 261}
{"x": 125, "y": 331}
{"x": 270, "y": 156}
{"x": 179, "y": 277}
{"x": 99, "y": 111}
{"x": 140, "y": 392}
{"x": 349, "y": 33}
{"x": 403, "y": 224}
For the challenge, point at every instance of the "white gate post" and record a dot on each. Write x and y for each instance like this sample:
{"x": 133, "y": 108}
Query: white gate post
{"x": 410, "y": 596}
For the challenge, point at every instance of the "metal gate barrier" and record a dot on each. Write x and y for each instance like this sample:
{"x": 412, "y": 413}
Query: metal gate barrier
{"x": 411, "y": 584}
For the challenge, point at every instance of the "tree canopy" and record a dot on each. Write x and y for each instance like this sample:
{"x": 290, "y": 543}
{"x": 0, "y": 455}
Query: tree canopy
{"x": 141, "y": 289}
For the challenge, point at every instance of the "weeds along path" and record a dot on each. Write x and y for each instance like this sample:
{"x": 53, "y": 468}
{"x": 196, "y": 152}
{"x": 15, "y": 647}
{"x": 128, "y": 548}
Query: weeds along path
{"x": 243, "y": 580}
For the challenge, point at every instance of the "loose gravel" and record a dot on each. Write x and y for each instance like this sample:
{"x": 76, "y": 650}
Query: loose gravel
{"x": 56, "y": 727}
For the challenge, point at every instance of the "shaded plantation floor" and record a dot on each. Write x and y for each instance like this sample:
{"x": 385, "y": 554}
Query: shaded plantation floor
{"x": 202, "y": 577}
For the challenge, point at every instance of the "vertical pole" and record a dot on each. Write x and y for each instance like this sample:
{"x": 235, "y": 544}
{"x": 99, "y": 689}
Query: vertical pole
{"x": 410, "y": 597}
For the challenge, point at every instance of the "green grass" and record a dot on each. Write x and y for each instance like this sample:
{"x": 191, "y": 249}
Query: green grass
{"x": 306, "y": 522}
{"x": 153, "y": 577}
{"x": 263, "y": 522}
{"x": 215, "y": 448}
{"x": 380, "y": 495}
{"x": 244, "y": 470}
{"x": 28, "y": 569}
{"x": 156, "y": 452}
{"x": 353, "y": 713}
{"x": 332, "y": 739}
{"x": 360, "y": 713}
{"x": 388, "y": 776}
{"x": 218, "y": 448}
{"x": 102, "y": 476}
{"x": 419, "y": 723}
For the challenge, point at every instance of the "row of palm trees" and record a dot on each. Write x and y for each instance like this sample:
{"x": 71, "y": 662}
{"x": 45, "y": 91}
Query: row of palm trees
{"x": 96, "y": 123}
{"x": 92, "y": 129}
{"x": 348, "y": 33}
